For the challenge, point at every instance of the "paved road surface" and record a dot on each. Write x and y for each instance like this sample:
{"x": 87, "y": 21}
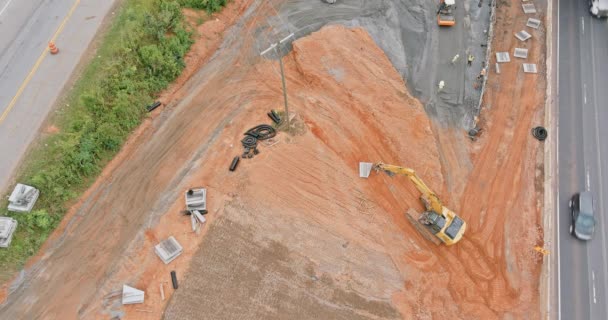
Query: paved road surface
{"x": 583, "y": 157}
{"x": 31, "y": 80}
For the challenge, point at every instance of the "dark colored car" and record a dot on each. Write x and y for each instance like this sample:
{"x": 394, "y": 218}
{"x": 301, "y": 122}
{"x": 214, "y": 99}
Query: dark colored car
{"x": 581, "y": 210}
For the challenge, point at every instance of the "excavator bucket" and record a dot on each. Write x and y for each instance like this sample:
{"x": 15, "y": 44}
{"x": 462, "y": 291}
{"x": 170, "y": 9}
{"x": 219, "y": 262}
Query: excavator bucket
{"x": 365, "y": 168}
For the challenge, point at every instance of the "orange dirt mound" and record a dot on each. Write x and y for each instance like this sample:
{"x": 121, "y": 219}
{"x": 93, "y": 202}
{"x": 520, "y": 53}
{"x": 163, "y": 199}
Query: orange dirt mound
{"x": 294, "y": 232}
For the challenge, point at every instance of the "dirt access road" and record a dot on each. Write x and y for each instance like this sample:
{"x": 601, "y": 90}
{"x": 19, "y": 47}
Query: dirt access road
{"x": 294, "y": 233}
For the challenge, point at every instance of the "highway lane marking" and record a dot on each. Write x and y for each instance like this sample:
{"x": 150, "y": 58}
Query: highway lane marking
{"x": 587, "y": 178}
{"x": 37, "y": 64}
{"x": 5, "y": 6}
{"x": 583, "y": 24}
{"x": 593, "y": 282}
{"x": 584, "y": 93}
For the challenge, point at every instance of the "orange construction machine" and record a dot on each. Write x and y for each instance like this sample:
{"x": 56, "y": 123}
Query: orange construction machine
{"x": 445, "y": 14}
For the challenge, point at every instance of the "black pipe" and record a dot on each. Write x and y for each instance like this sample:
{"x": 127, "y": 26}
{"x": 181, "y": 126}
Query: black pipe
{"x": 273, "y": 118}
{"x": 153, "y": 106}
{"x": 234, "y": 163}
{"x": 174, "y": 279}
{"x": 276, "y": 114}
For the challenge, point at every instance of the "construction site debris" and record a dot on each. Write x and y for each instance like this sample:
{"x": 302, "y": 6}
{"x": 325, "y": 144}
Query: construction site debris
{"x": 153, "y": 106}
{"x": 7, "y": 228}
{"x": 174, "y": 279}
{"x": 250, "y": 142}
{"x": 169, "y": 249}
{"x": 23, "y": 198}
{"x": 276, "y": 115}
{"x": 502, "y": 57}
{"x": 131, "y": 295}
{"x": 162, "y": 291}
{"x": 234, "y": 163}
{"x": 262, "y": 132}
{"x": 521, "y": 53}
{"x": 199, "y": 217}
{"x": 533, "y": 23}
{"x": 540, "y": 133}
{"x": 193, "y": 222}
{"x": 497, "y": 67}
{"x": 528, "y": 8}
{"x": 530, "y": 68}
{"x": 196, "y": 199}
{"x": 523, "y": 35}
{"x": 273, "y": 118}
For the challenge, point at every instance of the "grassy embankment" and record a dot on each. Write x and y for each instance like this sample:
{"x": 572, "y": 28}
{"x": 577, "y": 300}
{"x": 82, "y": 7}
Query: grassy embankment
{"x": 140, "y": 54}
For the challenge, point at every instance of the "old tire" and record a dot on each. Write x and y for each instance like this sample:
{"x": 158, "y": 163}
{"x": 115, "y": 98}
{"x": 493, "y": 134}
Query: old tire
{"x": 540, "y": 133}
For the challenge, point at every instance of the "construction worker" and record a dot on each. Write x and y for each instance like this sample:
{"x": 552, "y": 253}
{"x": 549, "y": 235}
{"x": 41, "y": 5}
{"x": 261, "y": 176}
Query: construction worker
{"x": 470, "y": 59}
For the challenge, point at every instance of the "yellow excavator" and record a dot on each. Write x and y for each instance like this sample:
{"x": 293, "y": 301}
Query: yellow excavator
{"x": 438, "y": 223}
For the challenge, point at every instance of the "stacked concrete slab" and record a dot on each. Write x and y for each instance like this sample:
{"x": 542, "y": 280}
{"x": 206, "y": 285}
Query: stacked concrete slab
{"x": 7, "y": 228}
{"x": 23, "y": 198}
{"x": 131, "y": 295}
{"x": 169, "y": 249}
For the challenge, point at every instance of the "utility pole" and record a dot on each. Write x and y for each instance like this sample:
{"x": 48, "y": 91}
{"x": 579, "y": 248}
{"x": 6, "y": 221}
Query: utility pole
{"x": 278, "y": 53}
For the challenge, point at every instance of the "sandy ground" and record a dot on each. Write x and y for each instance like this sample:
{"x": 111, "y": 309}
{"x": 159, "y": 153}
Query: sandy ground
{"x": 294, "y": 233}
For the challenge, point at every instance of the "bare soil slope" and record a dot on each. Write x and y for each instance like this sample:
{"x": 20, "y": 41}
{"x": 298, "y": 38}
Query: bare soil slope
{"x": 302, "y": 235}
{"x": 294, "y": 232}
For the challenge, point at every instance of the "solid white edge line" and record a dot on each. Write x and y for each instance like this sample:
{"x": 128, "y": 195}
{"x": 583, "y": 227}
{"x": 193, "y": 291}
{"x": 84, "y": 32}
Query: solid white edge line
{"x": 557, "y": 226}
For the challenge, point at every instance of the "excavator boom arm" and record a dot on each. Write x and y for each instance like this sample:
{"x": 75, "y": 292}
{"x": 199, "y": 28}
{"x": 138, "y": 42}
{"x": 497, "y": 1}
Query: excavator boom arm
{"x": 427, "y": 193}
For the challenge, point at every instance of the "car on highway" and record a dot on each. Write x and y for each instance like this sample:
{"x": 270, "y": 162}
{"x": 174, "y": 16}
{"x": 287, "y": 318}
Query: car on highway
{"x": 599, "y": 8}
{"x": 582, "y": 225}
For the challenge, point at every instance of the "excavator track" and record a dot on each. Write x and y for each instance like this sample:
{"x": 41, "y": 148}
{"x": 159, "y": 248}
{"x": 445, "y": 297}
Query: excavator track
{"x": 413, "y": 216}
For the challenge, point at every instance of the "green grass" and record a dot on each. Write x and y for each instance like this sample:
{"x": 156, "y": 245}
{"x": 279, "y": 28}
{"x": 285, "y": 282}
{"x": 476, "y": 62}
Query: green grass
{"x": 141, "y": 54}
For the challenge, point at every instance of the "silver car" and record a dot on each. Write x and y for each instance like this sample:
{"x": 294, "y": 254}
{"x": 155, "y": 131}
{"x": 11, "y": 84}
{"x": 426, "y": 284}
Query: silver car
{"x": 581, "y": 210}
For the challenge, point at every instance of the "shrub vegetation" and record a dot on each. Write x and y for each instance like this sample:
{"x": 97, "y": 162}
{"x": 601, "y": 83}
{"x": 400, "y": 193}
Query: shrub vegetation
{"x": 141, "y": 54}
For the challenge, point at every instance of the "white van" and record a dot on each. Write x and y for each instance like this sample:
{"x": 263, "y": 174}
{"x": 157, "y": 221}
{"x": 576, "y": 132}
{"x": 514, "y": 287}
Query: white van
{"x": 599, "y": 8}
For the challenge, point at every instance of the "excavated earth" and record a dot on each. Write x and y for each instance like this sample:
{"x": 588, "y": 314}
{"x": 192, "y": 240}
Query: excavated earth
{"x": 294, "y": 233}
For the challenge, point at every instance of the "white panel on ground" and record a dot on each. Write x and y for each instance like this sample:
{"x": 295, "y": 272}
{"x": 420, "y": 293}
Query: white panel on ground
{"x": 168, "y": 250}
{"x": 528, "y": 8}
{"x": 533, "y": 23}
{"x": 530, "y": 68}
{"x": 196, "y": 199}
{"x": 131, "y": 295}
{"x": 521, "y": 53}
{"x": 364, "y": 169}
{"x": 7, "y": 228}
{"x": 523, "y": 35}
{"x": 23, "y": 198}
{"x": 502, "y": 57}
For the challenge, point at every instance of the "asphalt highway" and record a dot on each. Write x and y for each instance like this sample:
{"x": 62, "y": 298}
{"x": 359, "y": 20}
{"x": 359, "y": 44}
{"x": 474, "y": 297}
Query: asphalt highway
{"x": 582, "y": 157}
{"x": 31, "y": 80}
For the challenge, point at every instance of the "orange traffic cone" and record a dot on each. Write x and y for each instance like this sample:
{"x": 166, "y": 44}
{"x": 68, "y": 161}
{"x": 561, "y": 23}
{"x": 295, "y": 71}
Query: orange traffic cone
{"x": 52, "y": 48}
